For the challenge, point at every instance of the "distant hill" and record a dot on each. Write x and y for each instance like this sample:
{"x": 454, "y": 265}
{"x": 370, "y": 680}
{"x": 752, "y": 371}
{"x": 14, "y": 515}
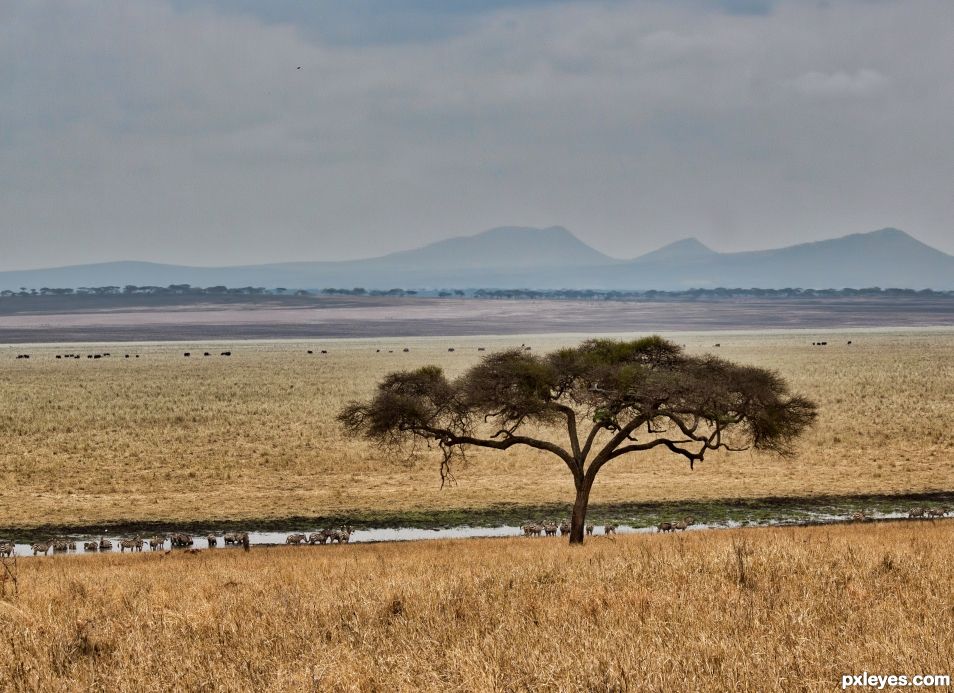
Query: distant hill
{"x": 553, "y": 258}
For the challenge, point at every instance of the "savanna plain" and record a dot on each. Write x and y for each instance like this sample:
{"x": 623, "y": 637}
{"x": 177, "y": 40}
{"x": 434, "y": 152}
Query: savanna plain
{"x": 252, "y": 437}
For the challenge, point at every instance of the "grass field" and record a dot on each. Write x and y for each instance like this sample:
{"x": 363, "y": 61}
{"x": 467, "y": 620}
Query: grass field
{"x": 168, "y": 438}
{"x": 742, "y": 610}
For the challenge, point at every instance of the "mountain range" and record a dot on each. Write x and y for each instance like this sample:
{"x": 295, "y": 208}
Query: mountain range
{"x": 553, "y": 258}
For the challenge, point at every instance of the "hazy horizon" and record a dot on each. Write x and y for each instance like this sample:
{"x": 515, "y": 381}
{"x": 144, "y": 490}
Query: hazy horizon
{"x": 217, "y": 133}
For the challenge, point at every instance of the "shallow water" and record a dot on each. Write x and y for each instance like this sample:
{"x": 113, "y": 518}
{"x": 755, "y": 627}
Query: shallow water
{"x": 390, "y": 534}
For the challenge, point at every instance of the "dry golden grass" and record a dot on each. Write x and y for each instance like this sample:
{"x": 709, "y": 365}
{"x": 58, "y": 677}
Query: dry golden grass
{"x": 253, "y": 436}
{"x": 741, "y": 610}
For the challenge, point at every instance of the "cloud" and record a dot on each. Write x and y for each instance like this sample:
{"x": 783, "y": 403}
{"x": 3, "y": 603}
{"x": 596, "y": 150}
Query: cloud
{"x": 841, "y": 83}
{"x": 186, "y": 133}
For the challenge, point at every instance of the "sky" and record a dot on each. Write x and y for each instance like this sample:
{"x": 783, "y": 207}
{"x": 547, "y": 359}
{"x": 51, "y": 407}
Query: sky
{"x": 219, "y": 132}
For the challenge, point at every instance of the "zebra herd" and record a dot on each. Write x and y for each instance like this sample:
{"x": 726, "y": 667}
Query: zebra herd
{"x": 177, "y": 540}
{"x": 550, "y": 528}
{"x": 916, "y": 513}
{"x": 342, "y": 535}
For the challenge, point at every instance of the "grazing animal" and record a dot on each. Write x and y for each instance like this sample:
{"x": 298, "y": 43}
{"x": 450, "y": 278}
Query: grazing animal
{"x": 550, "y": 528}
{"x": 665, "y": 527}
{"x": 531, "y": 529}
{"x": 611, "y": 528}
{"x": 105, "y": 544}
{"x": 858, "y": 516}
{"x": 157, "y": 543}
{"x": 180, "y": 540}
{"x": 310, "y": 351}
{"x": 321, "y": 537}
{"x": 60, "y": 545}
{"x": 226, "y": 353}
{"x": 129, "y": 544}
{"x": 405, "y": 350}
{"x": 451, "y": 349}
{"x": 41, "y": 547}
{"x": 213, "y": 542}
{"x": 343, "y": 535}
{"x": 564, "y": 527}
{"x": 91, "y": 546}
{"x": 187, "y": 354}
{"x": 232, "y": 538}
{"x": 589, "y": 530}
{"x": 481, "y": 349}
{"x": 935, "y": 512}
{"x": 206, "y": 354}
{"x": 916, "y": 512}
{"x": 324, "y": 351}
{"x": 681, "y": 525}
{"x": 6, "y": 548}
{"x": 296, "y": 539}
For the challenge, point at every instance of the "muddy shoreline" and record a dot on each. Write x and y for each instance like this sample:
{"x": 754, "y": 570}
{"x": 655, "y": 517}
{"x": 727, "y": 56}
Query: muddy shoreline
{"x": 800, "y": 510}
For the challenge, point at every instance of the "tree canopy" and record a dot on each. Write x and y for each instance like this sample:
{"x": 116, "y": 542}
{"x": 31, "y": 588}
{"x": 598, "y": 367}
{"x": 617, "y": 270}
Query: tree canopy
{"x": 601, "y": 400}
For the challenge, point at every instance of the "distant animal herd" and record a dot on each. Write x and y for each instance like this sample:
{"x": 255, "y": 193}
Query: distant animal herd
{"x": 188, "y": 354}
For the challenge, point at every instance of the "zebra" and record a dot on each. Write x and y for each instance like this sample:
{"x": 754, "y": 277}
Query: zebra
{"x": 610, "y": 528}
{"x": 157, "y": 543}
{"x": 60, "y": 545}
{"x": 296, "y": 539}
{"x": 105, "y": 544}
{"x": 7, "y": 548}
{"x": 91, "y": 546}
{"x": 589, "y": 530}
{"x": 916, "y": 512}
{"x": 565, "y": 527}
{"x": 935, "y": 512}
{"x": 529, "y": 528}
{"x": 859, "y": 516}
{"x": 41, "y": 547}
{"x": 665, "y": 527}
{"x": 321, "y": 537}
{"x": 133, "y": 544}
{"x": 343, "y": 535}
{"x": 550, "y": 528}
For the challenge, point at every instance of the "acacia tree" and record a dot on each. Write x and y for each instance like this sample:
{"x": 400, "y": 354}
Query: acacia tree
{"x": 588, "y": 405}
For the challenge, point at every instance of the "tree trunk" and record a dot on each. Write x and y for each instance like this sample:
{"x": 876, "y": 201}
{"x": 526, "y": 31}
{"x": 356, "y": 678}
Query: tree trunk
{"x": 578, "y": 520}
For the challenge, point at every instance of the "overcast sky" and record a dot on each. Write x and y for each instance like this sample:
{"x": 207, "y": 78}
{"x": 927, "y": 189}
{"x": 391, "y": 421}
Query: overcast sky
{"x": 184, "y": 132}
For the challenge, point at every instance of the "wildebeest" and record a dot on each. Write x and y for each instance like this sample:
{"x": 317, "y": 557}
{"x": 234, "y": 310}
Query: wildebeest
{"x": 40, "y": 547}
{"x": 324, "y": 351}
{"x": 187, "y": 354}
{"x": 405, "y": 350}
{"x": 6, "y": 548}
{"x": 935, "y": 512}
{"x": 589, "y": 530}
{"x": 180, "y": 540}
{"x": 481, "y": 349}
{"x": 213, "y": 542}
{"x": 310, "y": 351}
{"x": 91, "y": 546}
{"x": 451, "y": 349}
{"x": 664, "y": 527}
{"x": 206, "y": 354}
{"x": 610, "y": 528}
{"x": 916, "y": 512}
{"x": 564, "y": 527}
{"x": 226, "y": 353}
{"x": 296, "y": 539}
{"x": 105, "y": 544}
